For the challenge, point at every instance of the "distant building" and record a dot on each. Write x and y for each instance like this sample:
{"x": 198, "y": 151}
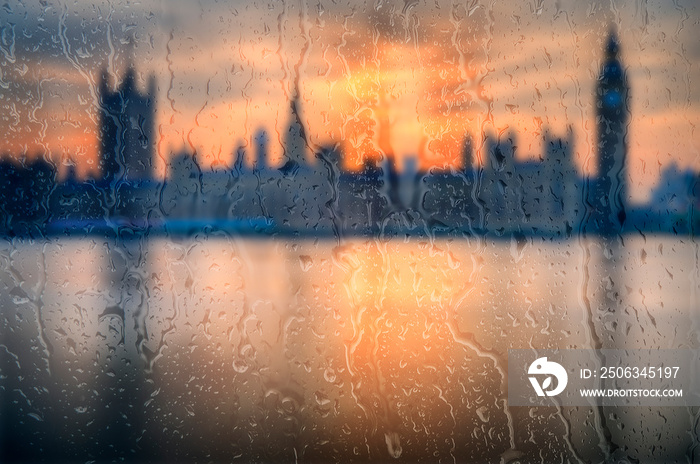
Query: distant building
{"x": 127, "y": 121}
{"x": 25, "y": 188}
{"x": 294, "y": 139}
{"x": 612, "y": 116}
{"x": 675, "y": 201}
{"x": 562, "y": 191}
{"x": 531, "y": 196}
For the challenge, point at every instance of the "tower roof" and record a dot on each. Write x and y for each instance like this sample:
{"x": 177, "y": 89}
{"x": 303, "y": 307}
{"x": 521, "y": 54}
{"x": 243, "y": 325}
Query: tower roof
{"x": 613, "y": 46}
{"x": 129, "y": 81}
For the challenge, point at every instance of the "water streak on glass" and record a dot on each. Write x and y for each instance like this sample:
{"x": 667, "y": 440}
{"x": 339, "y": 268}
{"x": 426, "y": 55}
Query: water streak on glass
{"x": 311, "y": 231}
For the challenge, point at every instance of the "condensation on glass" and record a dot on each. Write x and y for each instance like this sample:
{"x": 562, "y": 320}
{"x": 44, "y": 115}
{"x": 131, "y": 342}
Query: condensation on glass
{"x": 311, "y": 231}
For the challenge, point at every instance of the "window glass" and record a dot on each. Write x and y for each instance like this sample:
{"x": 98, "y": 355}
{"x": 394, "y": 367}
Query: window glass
{"x": 313, "y": 230}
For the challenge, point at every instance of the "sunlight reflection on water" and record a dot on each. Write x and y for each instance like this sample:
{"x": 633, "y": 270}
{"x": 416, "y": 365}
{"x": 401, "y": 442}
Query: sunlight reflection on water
{"x": 215, "y": 346}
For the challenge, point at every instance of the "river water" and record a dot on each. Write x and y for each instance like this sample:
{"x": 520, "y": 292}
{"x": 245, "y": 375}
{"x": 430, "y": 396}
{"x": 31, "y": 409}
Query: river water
{"x": 217, "y": 348}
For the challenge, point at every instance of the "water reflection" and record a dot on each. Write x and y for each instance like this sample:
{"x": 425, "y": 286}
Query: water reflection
{"x": 216, "y": 347}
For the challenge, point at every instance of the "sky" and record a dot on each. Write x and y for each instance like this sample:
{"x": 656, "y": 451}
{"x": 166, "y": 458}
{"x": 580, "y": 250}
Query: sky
{"x": 435, "y": 70}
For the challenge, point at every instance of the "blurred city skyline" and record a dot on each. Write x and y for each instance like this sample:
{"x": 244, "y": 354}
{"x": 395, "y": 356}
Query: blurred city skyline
{"x": 435, "y": 72}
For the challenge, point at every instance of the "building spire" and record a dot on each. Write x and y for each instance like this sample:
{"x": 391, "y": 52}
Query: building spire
{"x": 129, "y": 82}
{"x": 612, "y": 48}
{"x": 612, "y": 116}
{"x": 295, "y": 136}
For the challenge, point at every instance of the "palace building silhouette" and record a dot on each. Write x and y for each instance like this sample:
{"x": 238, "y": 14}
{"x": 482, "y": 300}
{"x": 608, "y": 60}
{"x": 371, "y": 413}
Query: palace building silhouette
{"x": 311, "y": 193}
{"x": 127, "y": 122}
{"x": 505, "y": 195}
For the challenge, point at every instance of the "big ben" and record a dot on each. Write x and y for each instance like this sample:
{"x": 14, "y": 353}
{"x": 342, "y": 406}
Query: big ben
{"x": 612, "y": 118}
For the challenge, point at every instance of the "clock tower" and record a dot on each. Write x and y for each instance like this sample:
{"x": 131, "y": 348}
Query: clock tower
{"x": 612, "y": 117}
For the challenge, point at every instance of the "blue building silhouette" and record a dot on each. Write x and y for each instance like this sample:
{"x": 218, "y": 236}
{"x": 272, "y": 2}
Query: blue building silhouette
{"x": 311, "y": 194}
{"x": 127, "y": 121}
{"x": 612, "y": 117}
